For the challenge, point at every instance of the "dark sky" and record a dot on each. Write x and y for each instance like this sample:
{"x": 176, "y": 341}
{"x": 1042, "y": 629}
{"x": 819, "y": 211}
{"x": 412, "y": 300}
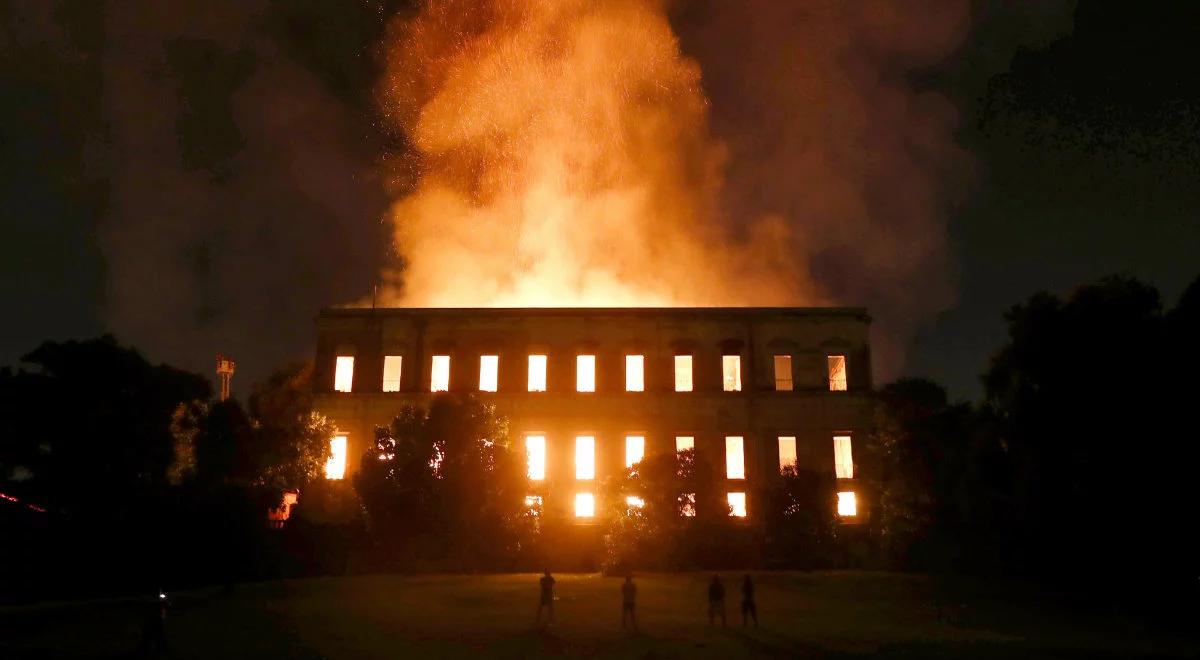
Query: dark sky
{"x": 204, "y": 176}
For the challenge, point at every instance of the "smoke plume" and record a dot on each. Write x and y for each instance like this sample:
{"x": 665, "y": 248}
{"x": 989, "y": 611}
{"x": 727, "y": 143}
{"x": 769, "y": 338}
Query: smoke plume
{"x": 565, "y": 153}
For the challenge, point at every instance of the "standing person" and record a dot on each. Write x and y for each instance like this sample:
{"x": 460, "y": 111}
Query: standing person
{"x": 628, "y": 602}
{"x": 748, "y": 606}
{"x": 547, "y": 598}
{"x": 716, "y": 601}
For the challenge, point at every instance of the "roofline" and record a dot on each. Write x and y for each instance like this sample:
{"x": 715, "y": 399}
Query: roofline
{"x": 344, "y": 312}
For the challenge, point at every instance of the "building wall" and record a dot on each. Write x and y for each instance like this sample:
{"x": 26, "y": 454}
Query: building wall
{"x": 758, "y": 413}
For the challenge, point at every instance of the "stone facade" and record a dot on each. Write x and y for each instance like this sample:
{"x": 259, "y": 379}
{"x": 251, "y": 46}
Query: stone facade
{"x": 760, "y": 412}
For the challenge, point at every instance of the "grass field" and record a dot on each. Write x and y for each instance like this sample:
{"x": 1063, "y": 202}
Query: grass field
{"x": 839, "y": 614}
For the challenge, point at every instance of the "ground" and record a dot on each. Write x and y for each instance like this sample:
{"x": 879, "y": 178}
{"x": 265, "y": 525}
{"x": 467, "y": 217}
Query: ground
{"x": 824, "y": 615}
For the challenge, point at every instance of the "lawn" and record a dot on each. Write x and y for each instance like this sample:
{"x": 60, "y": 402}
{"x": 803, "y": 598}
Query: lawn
{"x": 836, "y": 614}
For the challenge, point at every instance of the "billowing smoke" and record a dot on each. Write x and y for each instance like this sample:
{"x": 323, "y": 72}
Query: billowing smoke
{"x": 565, "y": 153}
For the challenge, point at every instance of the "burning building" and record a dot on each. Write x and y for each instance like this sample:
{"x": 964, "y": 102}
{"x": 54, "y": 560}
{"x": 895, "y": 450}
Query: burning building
{"x": 590, "y": 391}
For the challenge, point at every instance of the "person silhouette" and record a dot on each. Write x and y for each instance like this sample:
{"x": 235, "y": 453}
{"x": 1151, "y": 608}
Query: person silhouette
{"x": 629, "y": 602}
{"x": 716, "y": 601}
{"x": 748, "y": 605}
{"x": 154, "y": 629}
{"x": 547, "y": 598}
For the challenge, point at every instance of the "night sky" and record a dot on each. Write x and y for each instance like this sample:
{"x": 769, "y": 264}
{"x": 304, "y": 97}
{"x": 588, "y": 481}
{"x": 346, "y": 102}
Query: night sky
{"x": 203, "y": 177}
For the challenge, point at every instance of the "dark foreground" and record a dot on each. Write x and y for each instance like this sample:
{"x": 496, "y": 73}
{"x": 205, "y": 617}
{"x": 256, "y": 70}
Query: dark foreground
{"x": 824, "y": 615}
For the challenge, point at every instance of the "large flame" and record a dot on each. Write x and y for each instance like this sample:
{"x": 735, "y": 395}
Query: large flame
{"x": 560, "y": 155}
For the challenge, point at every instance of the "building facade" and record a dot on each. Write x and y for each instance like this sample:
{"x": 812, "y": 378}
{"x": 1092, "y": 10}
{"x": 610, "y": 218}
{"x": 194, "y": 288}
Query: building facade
{"x": 588, "y": 391}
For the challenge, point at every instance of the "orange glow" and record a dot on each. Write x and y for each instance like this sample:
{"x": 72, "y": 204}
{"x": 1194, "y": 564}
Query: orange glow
{"x": 537, "y": 373}
{"x": 585, "y": 457}
{"x": 439, "y": 379}
{"x": 684, "y": 442}
{"x": 687, "y": 505}
{"x": 731, "y": 373}
{"x": 787, "y": 452}
{"x": 735, "y": 460}
{"x": 335, "y": 467}
{"x": 585, "y": 505}
{"x": 847, "y": 504}
{"x": 843, "y": 459}
{"x": 683, "y": 373}
{"x": 635, "y": 448}
{"x": 489, "y": 367}
{"x": 535, "y": 447}
{"x": 533, "y": 504}
{"x": 391, "y": 373}
{"x": 635, "y": 373}
{"x": 783, "y": 373}
{"x": 634, "y": 502}
{"x": 585, "y": 373}
{"x": 837, "y": 373}
{"x": 737, "y": 504}
{"x": 343, "y": 373}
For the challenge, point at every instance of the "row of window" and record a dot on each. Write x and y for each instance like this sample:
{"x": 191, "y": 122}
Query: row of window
{"x": 585, "y": 373}
{"x": 585, "y": 504}
{"x": 635, "y": 450}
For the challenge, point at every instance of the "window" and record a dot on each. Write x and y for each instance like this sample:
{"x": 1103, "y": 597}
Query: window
{"x": 847, "y": 505}
{"x": 634, "y": 502}
{"x": 343, "y": 373}
{"x": 335, "y": 467}
{"x": 737, "y": 504}
{"x": 585, "y": 373}
{"x": 585, "y": 505}
{"x": 837, "y": 373}
{"x": 391, "y": 373}
{"x": 635, "y": 373}
{"x": 439, "y": 379}
{"x": 731, "y": 372}
{"x": 489, "y": 367}
{"x": 537, "y": 373}
{"x": 843, "y": 459}
{"x": 687, "y": 505}
{"x": 783, "y": 373}
{"x": 635, "y": 448}
{"x": 533, "y": 505}
{"x": 684, "y": 442}
{"x": 585, "y": 457}
{"x": 787, "y": 452}
{"x": 735, "y": 461}
{"x": 683, "y": 373}
{"x": 535, "y": 448}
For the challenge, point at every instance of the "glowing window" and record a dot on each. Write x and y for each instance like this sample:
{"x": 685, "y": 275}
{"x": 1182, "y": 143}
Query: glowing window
{"x": 585, "y": 373}
{"x": 787, "y": 452}
{"x": 439, "y": 379}
{"x": 683, "y": 373}
{"x": 489, "y": 367}
{"x": 737, "y": 504}
{"x": 585, "y": 505}
{"x": 533, "y": 504}
{"x": 535, "y": 447}
{"x": 731, "y": 372}
{"x": 635, "y": 373}
{"x": 335, "y": 467}
{"x": 684, "y": 442}
{"x": 585, "y": 457}
{"x": 634, "y": 502}
{"x": 847, "y": 505}
{"x": 843, "y": 459}
{"x": 391, "y": 373}
{"x": 783, "y": 373}
{"x": 735, "y": 460}
{"x": 687, "y": 505}
{"x": 635, "y": 448}
{"x": 837, "y": 373}
{"x": 343, "y": 373}
{"x": 537, "y": 373}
